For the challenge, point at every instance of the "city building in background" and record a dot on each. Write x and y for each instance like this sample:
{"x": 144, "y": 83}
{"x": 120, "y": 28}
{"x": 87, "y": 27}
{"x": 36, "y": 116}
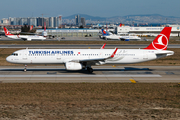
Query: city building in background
{"x": 32, "y": 21}
{"x": 55, "y": 22}
{"x": 52, "y": 22}
{"x": 80, "y": 20}
{"x": 83, "y": 22}
{"x": 40, "y": 21}
{"x": 60, "y": 21}
{"x": 77, "y": 20}
{"x": 5, "y": 21}
{"x": 24, "y": 21}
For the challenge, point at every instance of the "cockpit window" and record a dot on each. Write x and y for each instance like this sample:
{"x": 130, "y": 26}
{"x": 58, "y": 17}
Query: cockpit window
{"x": 15, "y": 54}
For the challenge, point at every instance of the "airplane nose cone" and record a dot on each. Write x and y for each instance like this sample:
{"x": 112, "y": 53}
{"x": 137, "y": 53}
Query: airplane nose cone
{"x": 8, "y": 59}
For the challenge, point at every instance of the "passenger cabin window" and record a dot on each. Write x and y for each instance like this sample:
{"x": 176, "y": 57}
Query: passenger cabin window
{"x": 15, "y": 54}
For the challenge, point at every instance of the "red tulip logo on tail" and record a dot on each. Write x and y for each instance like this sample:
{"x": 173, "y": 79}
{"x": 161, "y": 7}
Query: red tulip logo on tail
{"x": 161, "y": 42}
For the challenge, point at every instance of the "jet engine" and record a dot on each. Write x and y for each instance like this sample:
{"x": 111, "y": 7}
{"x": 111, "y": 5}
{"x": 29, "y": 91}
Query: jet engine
{"x": 73, "y": 66}
{"x": 28, "y": 39}
{"x": 44, "y": 33}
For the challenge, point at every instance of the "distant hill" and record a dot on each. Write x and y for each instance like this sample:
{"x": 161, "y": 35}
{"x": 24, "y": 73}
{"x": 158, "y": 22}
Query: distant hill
{"x": 149, "y": 18}
{"x": 87, "y": 17}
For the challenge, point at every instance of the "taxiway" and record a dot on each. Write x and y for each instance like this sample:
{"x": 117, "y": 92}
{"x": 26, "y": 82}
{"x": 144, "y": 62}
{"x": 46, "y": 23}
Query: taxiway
{"x": 106, "y": 74}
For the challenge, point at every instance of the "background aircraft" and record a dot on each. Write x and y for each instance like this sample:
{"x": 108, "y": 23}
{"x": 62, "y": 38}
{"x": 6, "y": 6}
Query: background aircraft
{"x": 26, "y": 37}
{"x": 108, "y": 35}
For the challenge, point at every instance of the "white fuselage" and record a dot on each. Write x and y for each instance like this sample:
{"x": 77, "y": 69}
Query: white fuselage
{"x": 117, "y": 37}
{"x": 26, "y": 37}
{"x": 61, "y": 56}
{"x": 130, "y": 38}
{"x": 112, "y": 37}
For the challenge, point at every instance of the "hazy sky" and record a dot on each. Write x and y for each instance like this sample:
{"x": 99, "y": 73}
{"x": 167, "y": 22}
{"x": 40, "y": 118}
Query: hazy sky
{"x": 102, "y": 8}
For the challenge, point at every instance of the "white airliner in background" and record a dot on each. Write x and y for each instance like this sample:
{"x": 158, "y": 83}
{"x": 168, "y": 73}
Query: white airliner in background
{"x": 26, "y": 37}
{"x": 77, "y": 59}
{"x": 109, "y": 36}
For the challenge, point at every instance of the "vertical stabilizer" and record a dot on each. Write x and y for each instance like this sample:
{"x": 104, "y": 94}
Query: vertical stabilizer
{"x": 161, "y": 41}
{"x": 7, "y": 32}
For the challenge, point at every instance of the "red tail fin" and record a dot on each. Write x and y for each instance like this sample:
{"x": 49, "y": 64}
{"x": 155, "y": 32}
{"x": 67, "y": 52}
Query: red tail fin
{"x": 7, "y": 32}
{"x": 120, "y": 25}
{"x": 44, "y": 26}
{"x": 31, "y": 27}
{"x": 161, "y": 41}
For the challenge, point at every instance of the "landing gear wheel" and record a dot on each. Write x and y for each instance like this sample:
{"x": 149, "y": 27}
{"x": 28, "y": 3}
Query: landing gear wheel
{"x": 25, "y": 68}
{"x": 90, "y": 70}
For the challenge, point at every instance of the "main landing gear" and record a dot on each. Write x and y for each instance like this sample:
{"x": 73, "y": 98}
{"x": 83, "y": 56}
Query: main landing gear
{"x": 89, "y": 69}
{"x": 25, "y": 67}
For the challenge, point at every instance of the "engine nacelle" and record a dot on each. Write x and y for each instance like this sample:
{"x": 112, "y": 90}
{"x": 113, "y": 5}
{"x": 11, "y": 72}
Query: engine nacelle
{"x": 44, "y": 33}
{"x": 73, "y": 66}
{"x": 29, "y": 39}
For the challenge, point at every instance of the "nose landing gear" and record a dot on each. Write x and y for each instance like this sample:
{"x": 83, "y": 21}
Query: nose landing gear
{"x": 25, "y": 67}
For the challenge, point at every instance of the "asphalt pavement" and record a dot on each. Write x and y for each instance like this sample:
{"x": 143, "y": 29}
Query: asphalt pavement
{"x": 105, "y": 74}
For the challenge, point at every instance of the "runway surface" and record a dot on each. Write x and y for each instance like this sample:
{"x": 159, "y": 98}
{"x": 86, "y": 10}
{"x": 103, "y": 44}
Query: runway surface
{"x": 106, "y": 74}
{"x": 81, "y": 46}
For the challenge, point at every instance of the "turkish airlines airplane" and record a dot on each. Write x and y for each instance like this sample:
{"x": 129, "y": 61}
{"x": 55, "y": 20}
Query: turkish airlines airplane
{"x": 108, "y": 35}
{"x": 24, "y": 37}
{"x": 77, "y": 59}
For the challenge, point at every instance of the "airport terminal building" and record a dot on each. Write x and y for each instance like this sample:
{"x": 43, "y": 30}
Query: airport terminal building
{"x": 71, "y": 32}
{"x": 146, "y": 31}
{"x": 140, "y": 31}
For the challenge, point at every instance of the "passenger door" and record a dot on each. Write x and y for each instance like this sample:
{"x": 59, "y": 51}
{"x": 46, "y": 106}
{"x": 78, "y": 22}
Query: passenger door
{"x": 24, "y": 55}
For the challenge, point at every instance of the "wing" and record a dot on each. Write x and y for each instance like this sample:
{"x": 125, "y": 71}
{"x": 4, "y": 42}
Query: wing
{"x": 95, "y": 60}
